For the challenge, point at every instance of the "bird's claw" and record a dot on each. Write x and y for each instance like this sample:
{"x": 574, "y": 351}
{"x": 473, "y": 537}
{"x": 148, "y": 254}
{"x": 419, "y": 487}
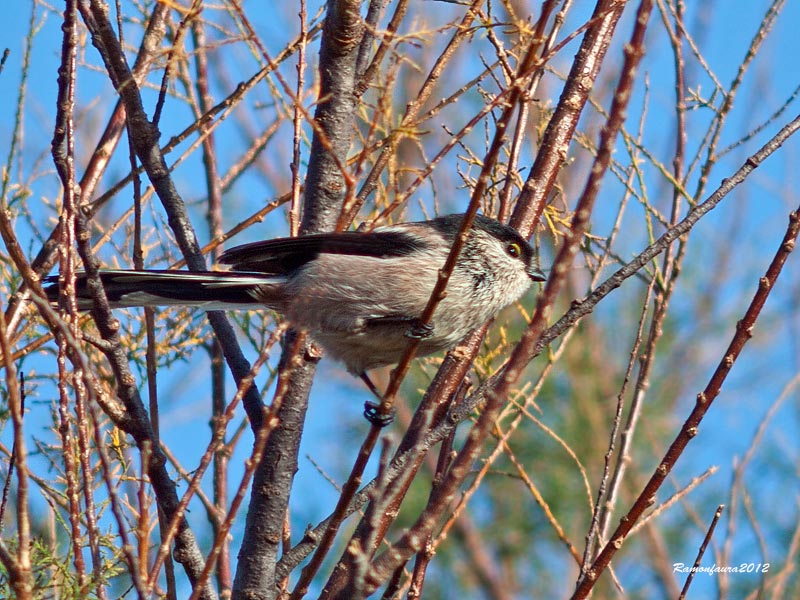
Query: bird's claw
{"x": 420, "y": 330}
{"x": 373, "y": 414}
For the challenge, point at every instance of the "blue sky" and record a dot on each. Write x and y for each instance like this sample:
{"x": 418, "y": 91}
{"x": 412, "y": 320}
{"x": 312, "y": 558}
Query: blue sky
{"x": 756, "y": 218}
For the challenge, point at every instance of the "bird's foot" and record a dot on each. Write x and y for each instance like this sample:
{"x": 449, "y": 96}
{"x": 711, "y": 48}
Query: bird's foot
{"x": 373, "y": 414}
{"x": 419, "y": 330}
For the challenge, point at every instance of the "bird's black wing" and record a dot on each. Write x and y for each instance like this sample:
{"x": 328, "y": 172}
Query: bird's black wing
{"x": 281, "y": 256}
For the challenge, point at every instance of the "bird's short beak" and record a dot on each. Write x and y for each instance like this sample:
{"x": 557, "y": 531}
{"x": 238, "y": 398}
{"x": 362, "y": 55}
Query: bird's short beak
{"x": 536, "y": 274}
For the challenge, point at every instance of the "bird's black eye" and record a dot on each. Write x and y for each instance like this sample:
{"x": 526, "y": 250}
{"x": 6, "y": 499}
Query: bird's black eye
{"x": 514, "y": 249}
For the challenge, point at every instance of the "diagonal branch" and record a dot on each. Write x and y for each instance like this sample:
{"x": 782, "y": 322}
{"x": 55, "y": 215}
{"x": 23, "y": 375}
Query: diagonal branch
{"x": 744, "y": 331}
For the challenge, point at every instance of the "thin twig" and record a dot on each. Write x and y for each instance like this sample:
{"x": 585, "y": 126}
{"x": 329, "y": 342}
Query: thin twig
{"x": 701, "y": 551}
{"x": 705, "y": 398}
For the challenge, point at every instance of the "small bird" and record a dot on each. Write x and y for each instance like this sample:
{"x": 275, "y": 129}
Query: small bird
{"x": 359, "y": 294}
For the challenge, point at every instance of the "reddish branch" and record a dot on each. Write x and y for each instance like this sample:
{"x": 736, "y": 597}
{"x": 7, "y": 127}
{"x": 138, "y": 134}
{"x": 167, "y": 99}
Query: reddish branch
{"x": 744, "y": 331}
{"x": 560, "y": 129}
{"x": 411, "y": 541}
{"x": 343, "y": 583}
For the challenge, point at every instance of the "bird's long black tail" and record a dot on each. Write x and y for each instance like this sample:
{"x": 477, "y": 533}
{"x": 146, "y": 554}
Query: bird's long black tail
{"x": 209, "y": 290}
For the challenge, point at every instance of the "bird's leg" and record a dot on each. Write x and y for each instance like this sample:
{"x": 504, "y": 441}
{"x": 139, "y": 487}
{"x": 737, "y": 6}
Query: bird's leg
{"x": 372, "y": 410}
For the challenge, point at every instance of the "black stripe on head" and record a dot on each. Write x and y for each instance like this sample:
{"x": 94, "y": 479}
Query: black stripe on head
{"x": 449, "y": 226}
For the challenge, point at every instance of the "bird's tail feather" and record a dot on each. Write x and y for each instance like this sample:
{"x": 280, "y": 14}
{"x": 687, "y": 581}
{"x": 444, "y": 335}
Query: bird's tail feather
{"x": 209, "y": 290}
